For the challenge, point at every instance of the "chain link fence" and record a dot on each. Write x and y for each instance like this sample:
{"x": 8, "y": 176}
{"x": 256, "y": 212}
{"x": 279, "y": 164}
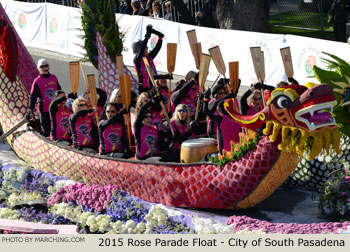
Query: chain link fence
{"x": 300, "y": 14}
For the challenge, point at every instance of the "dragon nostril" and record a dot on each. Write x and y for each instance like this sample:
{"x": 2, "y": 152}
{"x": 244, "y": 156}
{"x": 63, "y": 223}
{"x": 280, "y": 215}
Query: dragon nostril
{"x": 311, "y": 93}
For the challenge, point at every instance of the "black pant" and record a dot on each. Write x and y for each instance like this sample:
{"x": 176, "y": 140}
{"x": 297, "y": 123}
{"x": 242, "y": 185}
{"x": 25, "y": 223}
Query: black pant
{"x": 45, "y": 123}
{"x": 340, "y": 32}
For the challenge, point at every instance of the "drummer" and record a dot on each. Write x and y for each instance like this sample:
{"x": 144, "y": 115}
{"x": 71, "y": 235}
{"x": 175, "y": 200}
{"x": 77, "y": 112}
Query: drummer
{"x": 183, "y": 131}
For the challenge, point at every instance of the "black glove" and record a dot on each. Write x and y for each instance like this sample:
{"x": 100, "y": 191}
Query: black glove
{"x": 258, "y": 85}
{"x": 149, "y": 29}
{"x": 158, "y": 33}
{"x": 163, "y": 76}
{"x": 30, "y": 115}
{"x": 193, "y": 125}
{"x": 158, "y": 99}
{"x": 123, "y": 111}
{"x": 293, "y": 81}
{"x": 200, "y": 95}
{"x": 207, "y": 93}
{"x": 73, "y": 96}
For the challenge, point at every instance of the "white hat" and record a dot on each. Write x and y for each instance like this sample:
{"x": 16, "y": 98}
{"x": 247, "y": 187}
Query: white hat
{"x": 42, "y": 62}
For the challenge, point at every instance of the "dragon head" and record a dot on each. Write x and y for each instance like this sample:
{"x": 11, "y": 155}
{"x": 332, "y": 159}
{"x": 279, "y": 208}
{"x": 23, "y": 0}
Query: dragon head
{"x": 300, "y": 113}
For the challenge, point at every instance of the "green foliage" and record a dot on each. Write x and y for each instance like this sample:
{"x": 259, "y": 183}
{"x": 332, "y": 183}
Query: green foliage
{"x": 238, "y": 151}
{"x": 338, "y": 72}
{"x": 99, "y": 16}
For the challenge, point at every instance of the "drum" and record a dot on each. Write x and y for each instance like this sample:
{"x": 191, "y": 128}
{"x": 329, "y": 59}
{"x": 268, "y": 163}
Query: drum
{"x": 194, "y": 149}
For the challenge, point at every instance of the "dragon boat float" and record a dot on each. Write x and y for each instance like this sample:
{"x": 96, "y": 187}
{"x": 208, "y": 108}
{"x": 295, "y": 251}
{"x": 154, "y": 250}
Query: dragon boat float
{"x": 313, "y": 174}
{"x": 297, "y": 119}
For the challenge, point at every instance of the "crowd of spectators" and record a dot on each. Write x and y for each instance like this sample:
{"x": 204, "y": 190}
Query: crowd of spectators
{"x": 203, "y": 11}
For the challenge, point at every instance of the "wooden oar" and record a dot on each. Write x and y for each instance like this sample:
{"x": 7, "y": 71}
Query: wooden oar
{"x": 258, "y": 62}
{"x": 82, "y": 71}
{"x": 233, "y": 68}
{"x": 192, "y": 39}
{"x": 120, "y": 65}
{"x": 150, "y": 74}
{"x": 171, "y": 61}
{"x": 234, "y": 79}
{"x": 13, "y": 129}
{"x": 125, "y": 89}
{"x": 74, "y": 75}
{"x": 287, "y": 61}
{"x": 203, "y": 74}
{"x": 219, "y": 62}
{"x": 196, "y": 47}
{"x": 216, "y": 80}
{"x": 93, "y": 94}
{"x": 197, "y": 57}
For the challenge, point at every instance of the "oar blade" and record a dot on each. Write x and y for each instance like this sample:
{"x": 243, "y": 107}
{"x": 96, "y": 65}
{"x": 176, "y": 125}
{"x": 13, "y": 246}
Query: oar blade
{"x": 234, "y": 75}
{"x": 92, "y": 89}
{"x": 74, "y": 75}
{"x": 125, "y": 88}
{"x": 204, "y": 69}
{"x": 171, "y": 57}
{"x": 263, "y": 66}
{"x": 192, "y": 39}
{"x": 257, "y": 62}
{"x": 120, "y": 65}
{"x": 218, "y": 59}
{"x": 197, "y": 57}
{"x": 287, "y": 61}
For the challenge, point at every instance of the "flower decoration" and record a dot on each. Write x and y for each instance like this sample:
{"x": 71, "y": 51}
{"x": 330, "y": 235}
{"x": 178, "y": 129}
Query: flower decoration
{"x": 238, "y": 150}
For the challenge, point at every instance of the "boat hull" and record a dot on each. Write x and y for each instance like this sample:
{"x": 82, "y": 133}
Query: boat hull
{"x": 240, "y": 184}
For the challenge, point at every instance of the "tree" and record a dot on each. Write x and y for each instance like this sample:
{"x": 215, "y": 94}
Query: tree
{"x": 245, "y": 15}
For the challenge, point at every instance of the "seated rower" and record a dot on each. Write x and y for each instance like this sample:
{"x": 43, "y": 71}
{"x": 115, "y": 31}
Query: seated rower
{"x": 143, "y": 98}
{"x": 59, "y": 115}
{"x": 102, "y": 97}
{"x": 146, "y": 134}
{"x": 251, "y": 100}
{"x": 162, "y": 85}
{"x": 187, "y": 94}
{"x": 219, "y": 91}
{"x": 84, "y": 128}
{"x": 228, "y": 128}
{"x": 116, "y": 99}
{"x": 113, "y": 141}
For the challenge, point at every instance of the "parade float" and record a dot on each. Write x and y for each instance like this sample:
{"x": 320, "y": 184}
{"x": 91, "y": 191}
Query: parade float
{"x": 242, "y": 182}
{"x": 313, "y": 174}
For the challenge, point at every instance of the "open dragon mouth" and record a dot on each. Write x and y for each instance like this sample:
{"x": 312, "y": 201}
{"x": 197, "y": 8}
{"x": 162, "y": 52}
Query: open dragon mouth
{"x": 317, "y": 116}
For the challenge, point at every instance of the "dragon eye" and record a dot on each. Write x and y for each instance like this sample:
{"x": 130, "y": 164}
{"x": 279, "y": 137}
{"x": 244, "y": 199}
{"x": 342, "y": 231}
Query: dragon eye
{"x": 283, "y": 102}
